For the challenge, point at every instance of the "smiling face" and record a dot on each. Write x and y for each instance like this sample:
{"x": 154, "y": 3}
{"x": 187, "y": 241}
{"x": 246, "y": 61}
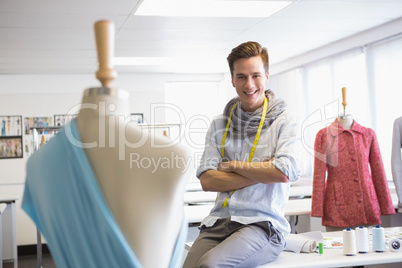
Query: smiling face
{"x": 250, "y": 79}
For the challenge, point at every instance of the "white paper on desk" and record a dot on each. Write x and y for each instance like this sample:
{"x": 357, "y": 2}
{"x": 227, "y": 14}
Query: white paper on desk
{"x": 305, "y": 242}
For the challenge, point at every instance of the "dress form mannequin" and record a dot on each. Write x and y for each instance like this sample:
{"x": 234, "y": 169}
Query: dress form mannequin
{"x": 336, "y": 182}
{"x": 345, "y": 120}
{"x": 145, "y": 199}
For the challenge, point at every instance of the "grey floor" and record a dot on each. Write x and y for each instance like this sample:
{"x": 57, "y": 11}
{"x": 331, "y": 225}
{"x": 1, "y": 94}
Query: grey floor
{"x": 30, "y": 261}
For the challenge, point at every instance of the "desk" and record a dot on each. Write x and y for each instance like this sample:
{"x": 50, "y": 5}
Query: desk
{"x": 9, "y": 233}
{"x": 199, "y": 197}
{"x": 2, "y": 209}
{"x": 335, "y": 257}
{"x": 295, "y": 207}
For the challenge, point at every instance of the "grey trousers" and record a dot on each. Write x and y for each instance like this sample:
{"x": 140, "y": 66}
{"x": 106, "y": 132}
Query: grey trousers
{"x": 232, "y": 244}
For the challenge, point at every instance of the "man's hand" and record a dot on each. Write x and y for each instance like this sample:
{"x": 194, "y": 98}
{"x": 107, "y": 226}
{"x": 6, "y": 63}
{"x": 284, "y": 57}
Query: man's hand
{"x": 226, "y": 166}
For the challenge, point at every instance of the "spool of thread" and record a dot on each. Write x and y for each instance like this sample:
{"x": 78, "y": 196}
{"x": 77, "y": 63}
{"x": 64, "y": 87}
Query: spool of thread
{"x": 362, "y": 243}
{"x": 321, "y": 248}
{"x": 394, "y": 244}
{"x": 378, "y": 239}
{"x": 349, "y": 242}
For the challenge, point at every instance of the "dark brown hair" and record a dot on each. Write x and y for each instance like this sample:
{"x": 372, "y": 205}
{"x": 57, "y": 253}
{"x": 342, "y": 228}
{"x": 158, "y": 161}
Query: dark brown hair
{"x": 248, "y": 50}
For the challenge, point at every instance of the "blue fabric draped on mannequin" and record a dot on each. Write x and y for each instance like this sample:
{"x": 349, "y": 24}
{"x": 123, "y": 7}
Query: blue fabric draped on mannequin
{"x": 63, "y": 198}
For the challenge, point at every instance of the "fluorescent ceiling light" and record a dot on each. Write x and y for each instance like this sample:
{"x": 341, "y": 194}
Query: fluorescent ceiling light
{"x": 210, "y": 8}
{"x": 205, "y": 64}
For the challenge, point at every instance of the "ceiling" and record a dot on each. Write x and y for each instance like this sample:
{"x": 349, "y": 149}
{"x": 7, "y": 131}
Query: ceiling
{"x": 57, "y": 37}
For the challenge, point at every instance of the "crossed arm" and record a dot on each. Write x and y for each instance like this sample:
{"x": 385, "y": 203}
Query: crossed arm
{"x": 234, "y": 175}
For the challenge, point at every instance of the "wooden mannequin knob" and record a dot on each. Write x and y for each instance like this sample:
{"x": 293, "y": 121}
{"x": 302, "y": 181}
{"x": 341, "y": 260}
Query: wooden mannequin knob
{"x": 104, "y": 33}
{"x": 344, "y": 102}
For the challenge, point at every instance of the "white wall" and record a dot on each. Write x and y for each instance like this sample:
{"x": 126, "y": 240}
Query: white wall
{"x": 46, "y": 95}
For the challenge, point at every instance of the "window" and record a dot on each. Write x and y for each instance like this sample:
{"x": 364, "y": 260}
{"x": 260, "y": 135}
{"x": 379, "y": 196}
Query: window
{"x": 385, "y": 65}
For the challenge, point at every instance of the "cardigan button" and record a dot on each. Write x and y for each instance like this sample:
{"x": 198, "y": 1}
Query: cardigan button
{"x": 353, "y": 159}
{"x": 359, "y": 201}
{"x": 354, "y": 172}
{"x": 356, "y": 179}
{"x": 351, "y": 151}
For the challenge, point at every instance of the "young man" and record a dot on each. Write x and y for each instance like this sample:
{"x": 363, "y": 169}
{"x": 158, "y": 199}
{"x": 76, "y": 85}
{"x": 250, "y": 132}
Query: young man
{"x": 251, "y": 155}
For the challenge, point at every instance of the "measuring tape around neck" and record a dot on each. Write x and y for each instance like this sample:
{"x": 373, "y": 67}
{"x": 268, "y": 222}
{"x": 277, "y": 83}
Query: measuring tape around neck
{"x": 257, "y": 136}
